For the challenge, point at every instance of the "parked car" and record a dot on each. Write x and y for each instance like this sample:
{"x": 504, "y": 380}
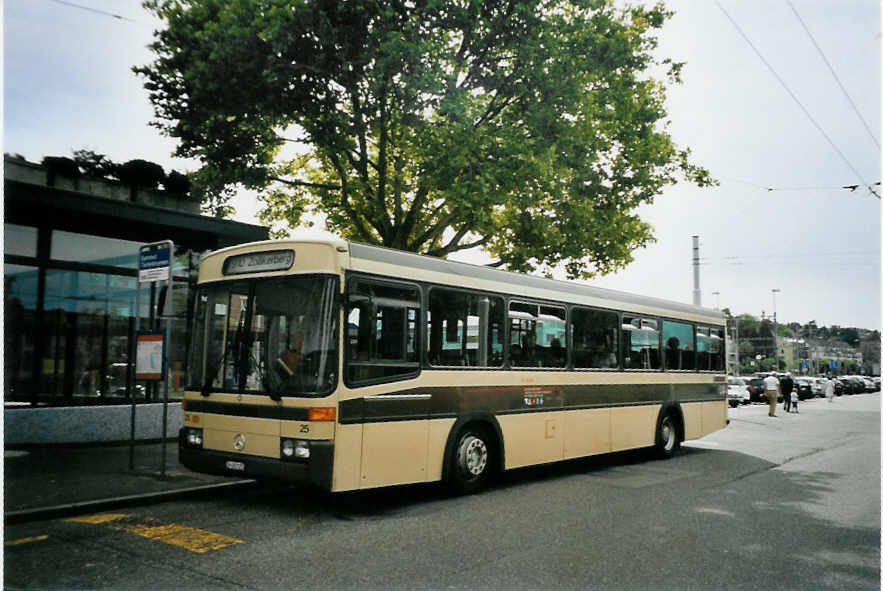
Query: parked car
{"x": 804, "y": 388}
{"x": 818, "y": 386}
{"x": 838, "y": 387}
{"x": 737, "y": 392}
{"x": 869, "y": 384}
{"x": 876, "y": 381}
{"x": 851, "y": 385}
{"x": 755, "y": 389}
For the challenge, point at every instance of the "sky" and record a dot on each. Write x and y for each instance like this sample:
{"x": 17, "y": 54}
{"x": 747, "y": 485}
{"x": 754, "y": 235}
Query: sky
{"x": 759, "y": 107}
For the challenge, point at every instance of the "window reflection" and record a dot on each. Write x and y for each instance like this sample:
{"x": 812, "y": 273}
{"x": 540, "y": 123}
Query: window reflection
{"x": 98, "y": 250}
{"x": 86, "y": 333}
{"x": 19, "y": 240}
{"x": 19, "y": 306}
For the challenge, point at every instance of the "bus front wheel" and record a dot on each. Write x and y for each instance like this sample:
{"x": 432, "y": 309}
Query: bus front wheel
{"x": 472, "y": 461}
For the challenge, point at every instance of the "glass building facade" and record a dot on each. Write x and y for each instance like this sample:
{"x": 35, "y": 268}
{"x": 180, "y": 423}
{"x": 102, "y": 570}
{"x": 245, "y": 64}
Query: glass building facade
{"x": 71, "y": 291}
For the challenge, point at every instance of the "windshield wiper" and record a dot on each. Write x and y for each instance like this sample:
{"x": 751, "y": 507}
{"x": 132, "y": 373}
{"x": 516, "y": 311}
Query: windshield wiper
{"x": 265, "y": 378}
{"x": 222, "y": 362}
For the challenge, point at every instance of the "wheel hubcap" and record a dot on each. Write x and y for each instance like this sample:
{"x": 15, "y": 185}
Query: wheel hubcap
{"x": 472, "y": 456}
{"x": 668, "y": 434}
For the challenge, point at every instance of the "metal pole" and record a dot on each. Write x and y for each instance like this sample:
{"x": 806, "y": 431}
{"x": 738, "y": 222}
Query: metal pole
{"x": 776, "y": 328}
{"x": 169, "y": 312}
{"x": 132, "y": 381}
{"x": 697, "y": 294}
{"x": 736, "y": 341}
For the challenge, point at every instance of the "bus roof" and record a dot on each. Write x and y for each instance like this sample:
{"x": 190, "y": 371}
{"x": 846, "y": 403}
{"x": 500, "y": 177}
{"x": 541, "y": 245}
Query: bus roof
{"x": 408, "y": 265}
{"x": 519, "y": 281}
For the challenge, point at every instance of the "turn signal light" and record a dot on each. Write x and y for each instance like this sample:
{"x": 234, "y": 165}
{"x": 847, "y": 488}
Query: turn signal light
{"x": 322, "y": 414}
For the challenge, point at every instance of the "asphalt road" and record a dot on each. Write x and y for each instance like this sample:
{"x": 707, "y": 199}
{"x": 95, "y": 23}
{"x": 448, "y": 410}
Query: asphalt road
{"x": 769, "y": 503}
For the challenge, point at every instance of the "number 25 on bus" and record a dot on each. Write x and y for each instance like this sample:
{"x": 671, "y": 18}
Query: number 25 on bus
{"x": 349, "y": 366}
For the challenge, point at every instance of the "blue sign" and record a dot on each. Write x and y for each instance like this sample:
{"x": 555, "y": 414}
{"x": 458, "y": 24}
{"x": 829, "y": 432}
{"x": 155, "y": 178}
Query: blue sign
{"x": 834, "y": 364}
{"x": 154, "y": 261}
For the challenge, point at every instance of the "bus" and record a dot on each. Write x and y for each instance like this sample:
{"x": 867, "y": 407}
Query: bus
{"x": 347, "y": 367}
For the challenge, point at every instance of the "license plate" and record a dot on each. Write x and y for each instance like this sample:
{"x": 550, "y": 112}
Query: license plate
{"x": 238, "y": 466}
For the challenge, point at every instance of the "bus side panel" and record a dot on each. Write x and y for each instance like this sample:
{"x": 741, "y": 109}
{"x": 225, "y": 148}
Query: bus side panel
{"x": 714, "y": 416}
{"x": 394, "y": 452}
{"x": 586, "y": 432}
{"x": 347, "y": 458}
{"x": 439, "y": 430}
{"x": 532, "y": 438}
{"x": 692, "y": 420}
{"x": 633, "y": 426}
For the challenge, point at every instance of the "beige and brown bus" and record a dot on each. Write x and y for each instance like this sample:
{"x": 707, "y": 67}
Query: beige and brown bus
{"x": 350, "y": 366}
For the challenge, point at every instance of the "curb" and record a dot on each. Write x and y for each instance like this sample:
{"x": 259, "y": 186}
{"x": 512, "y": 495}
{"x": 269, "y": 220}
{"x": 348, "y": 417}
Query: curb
{"x": 67, "y": 510}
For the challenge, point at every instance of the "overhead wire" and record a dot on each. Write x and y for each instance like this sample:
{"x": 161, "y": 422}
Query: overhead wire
{"x": 834, "y": 74}
{"x": 796, "y": 100}
{"x": 96, "y": 11}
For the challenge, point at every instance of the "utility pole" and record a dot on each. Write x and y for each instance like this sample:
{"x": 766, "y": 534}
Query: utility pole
{"x": 776, "y": 327}
{"x": 736, "y": 341}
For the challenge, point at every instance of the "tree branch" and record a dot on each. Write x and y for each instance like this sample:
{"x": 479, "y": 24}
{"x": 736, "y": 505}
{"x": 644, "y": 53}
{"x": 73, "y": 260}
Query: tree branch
{"x": 296, "y": 183}
{"x": 357, "y": 220}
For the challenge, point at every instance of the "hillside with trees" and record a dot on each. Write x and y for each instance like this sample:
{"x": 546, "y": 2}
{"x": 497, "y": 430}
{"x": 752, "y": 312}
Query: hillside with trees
{"x": 855, "y": 350}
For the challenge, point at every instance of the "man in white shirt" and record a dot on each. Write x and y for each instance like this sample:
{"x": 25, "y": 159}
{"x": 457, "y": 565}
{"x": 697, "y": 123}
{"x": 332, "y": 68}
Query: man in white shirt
{"x": 771, "y": 385}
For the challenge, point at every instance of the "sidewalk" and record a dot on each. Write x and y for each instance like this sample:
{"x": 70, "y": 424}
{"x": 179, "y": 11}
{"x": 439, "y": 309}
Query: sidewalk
{"x": 41, "y": 482}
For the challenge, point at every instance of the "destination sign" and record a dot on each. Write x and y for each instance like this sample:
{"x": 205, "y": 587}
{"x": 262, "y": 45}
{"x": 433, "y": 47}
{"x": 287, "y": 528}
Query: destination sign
{"x": 259, "y": 262}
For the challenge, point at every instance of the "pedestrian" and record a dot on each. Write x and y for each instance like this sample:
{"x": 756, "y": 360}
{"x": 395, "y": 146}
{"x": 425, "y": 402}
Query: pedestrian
{"x": 787, "y": 385}
{"x": 795, "y": 397}
{"x": 829, "y": 390}
{"x": 771, "y": 386}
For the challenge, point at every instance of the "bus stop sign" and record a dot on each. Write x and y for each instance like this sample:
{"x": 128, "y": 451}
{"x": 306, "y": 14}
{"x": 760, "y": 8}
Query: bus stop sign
{"x": 154, "y": 261}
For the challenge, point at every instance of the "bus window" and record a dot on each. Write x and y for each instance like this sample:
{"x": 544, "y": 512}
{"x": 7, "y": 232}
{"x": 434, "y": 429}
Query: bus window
{"x": 709, "y": 349}
{"x": 640, "y": 343}
{"x": 595, "y": 336}
{"x": 381, "y": 331}
{"x": 679, "y": 347}
{"x": 552, "y": 339}
{"x": 464, "y": 330}
{"x": 537, "y": 335}
{"x": 703, "y": 348}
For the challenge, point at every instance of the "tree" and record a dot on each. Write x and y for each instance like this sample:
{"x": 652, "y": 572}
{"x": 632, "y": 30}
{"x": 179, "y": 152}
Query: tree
{"x": 532, "y": 129}
{"x": 850, "y": 336}
{"x": 93, "y": 164}
{"x": 141, "y": 173}
{"x": 177, "y": 183}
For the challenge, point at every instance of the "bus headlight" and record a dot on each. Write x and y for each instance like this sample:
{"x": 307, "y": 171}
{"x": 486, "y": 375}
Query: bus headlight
{"x": 295, "y": 449}
{"x": 194, "y": 437}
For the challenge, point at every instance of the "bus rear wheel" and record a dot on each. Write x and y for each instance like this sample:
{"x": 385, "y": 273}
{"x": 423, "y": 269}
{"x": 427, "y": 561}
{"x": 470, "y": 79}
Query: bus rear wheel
{"x": 667, "y": 440}
{"x": 472, "y": 461}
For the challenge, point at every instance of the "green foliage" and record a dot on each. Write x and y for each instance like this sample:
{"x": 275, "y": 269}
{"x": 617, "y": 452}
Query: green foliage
{"x": 61, "y": 165}
{"x": 141, "y": 173}
{"x": 530, "y": 128}
{"x": 177, "y": 183}
{"x": 212, "y": 191}
{"x": 850, "y": 336}
{"x": 94, "y": 164}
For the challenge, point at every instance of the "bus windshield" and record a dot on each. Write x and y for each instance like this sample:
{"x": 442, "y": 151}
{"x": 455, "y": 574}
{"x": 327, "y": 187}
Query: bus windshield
{"x": 274, "y": 336}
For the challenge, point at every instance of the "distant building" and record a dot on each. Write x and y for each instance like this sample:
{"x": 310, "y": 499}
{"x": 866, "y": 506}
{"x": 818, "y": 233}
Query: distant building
{"x": 70, "y": 270}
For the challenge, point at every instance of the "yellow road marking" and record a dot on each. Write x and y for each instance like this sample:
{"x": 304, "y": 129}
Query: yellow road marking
{"x": 190, "y": 538}
{"x": 21, "y": 541}
{"x": 99, "y": 518}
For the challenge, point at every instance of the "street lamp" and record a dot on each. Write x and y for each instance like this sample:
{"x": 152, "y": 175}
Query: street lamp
{"x": 776, "y": 327}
